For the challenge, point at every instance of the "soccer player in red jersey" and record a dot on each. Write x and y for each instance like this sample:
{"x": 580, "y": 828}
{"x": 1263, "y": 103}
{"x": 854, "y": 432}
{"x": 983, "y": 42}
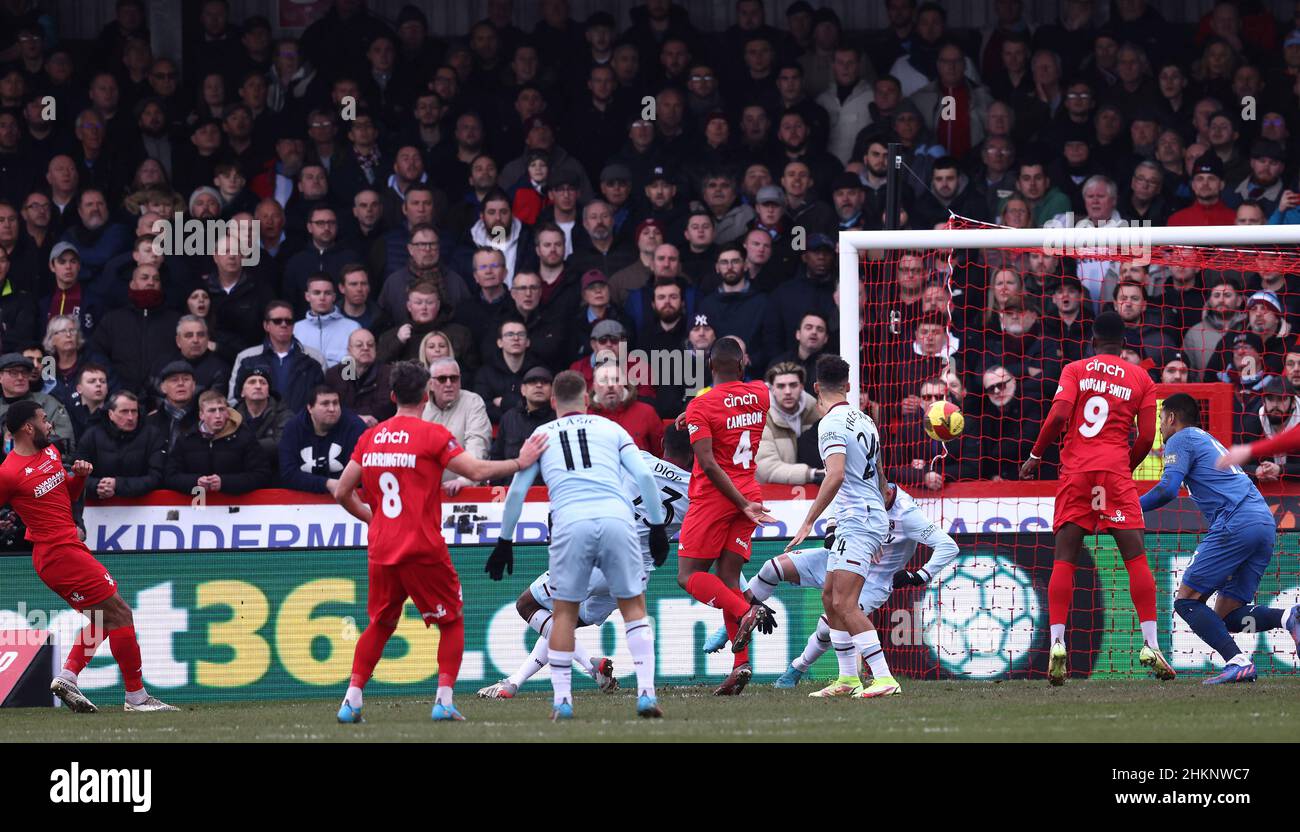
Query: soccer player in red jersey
{"x": 1284, "y": 444}
{"x": 725, "y": 427}
{"x": 399, "y": 463}
{"x": 1095, "y": 404}
{"x": 34, "y": 482}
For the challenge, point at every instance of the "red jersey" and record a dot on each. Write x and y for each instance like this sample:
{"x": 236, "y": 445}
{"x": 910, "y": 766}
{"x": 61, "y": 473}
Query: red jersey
{"x": 41, "y": 492}
{"x": 1106, "y": 394}
{"x": 402, "y": 460}
{"x": 733, "y": 416}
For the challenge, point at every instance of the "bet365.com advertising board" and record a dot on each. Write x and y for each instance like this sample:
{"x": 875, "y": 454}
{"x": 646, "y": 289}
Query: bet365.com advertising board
{"x": 283, "y": 623}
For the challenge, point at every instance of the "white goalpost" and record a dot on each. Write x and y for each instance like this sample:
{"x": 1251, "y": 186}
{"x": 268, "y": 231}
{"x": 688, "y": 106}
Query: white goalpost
{"x": 1115, "y": 243}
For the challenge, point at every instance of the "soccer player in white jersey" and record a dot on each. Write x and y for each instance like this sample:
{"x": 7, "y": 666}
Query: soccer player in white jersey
{"x": 672, "y": 476}
{"x": 908, "y": 526}
{"x": 592, "y": 528}
{"x": 850, "y": 449}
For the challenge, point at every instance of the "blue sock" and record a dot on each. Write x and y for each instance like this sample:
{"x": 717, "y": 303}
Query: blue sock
{"x": 1254, "y": 618}
{"x": 1208, "y": 626}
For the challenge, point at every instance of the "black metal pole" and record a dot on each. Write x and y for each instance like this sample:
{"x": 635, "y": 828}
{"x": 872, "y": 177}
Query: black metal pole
{"x": 891, "y": 186}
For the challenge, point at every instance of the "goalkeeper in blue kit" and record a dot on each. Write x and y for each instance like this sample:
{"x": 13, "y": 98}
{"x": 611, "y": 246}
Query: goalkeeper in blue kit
{"x": 1237, "y": 546}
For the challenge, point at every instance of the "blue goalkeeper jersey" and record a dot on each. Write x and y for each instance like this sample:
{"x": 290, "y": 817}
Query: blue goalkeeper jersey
{"x": 1190, "y": 456}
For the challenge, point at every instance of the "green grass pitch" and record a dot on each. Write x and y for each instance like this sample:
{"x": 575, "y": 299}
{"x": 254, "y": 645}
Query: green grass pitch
{"x": 945, "y": 711}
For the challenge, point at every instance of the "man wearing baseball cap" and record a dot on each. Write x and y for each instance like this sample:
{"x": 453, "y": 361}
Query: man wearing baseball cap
{"x": 519, "y": 422}
{"x": 16, "y": 385}
{"x": 1207, "y": 185}
{"x": 648, "y": 236}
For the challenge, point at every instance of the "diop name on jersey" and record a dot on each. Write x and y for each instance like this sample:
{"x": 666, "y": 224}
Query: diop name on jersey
{"x": 1102, "y": 386}
{"x": 745, "y": 420}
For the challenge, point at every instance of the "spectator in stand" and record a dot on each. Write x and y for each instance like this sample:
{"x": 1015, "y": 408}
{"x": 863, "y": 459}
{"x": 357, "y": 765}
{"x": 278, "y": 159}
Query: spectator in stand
{"x": 87, "y": 406}
{"x": 1018, "y": 344}
{"x": 615, "y": 399}
{"x": 501, "y": 377}
{"x": 1176, "y": 370}
{"x": 1143, "y": 326}
{"x": 1207, "y": 187}
{"x": 1275, "y": 411}
{"x": 1265, "y": 319}
{"x": 1067, "y": 333}
{"x": 263, "y": 413}
{"x": 912, "y": 458}
{"x": 126, "y": 453}
{"x": 810, "y": 290}
{"x": 238, "y": 300}
{"x": 132, "y": 337}
{"x": 65, "y": 353}
{"x": 324, "y": 253}
{"x": 518, "y": 423}
{"x": 317, "y": 443}
{"x": 425, "y": 265}
{"x": 211, "y": 372}
{"x": 812, "y": 342}
{"x": 219, "y": 456}
{"x": 362, "y": 381}
{"x": 70, "y": 294}
{"x": 792, "y": 413}
{"x": 425, "y": 314}
{"x": 1004, "y": 430}
{"x": 461, "y": 412}
{"x": 1263, "y": 187}
{"x": 324, "y": 328}
{"x": 295, "y": 370}
{"x": 16, "y": 371}
{"x": 177, "y": 409}
{"x": 1183, "y": 299}
{"x": 735, "y": 307}
{"x": 649, "y": 236}
{"x": 354, "y": 289}
{"x": 491, "y": 301}
{"x": 597, "y": 306}
{"x": 1223, "y": 314}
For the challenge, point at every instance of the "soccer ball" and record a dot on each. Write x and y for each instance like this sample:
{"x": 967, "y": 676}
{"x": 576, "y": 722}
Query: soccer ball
{"x": 943, "y": 421}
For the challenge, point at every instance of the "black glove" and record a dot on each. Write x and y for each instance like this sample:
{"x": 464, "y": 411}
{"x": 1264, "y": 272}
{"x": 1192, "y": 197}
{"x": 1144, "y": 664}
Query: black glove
{"x": 659, "y": 544}
{"x": 906, "y": 577}
{"x": 502, "y": 560}
{"x": 767, "y": 621}
{"x": 829, "y": 540}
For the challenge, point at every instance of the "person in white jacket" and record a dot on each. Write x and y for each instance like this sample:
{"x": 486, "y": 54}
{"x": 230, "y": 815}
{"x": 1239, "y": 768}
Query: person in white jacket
{"x": 848, "y": 102}
{"x": 324, "y": 329}
{"x": 793, "y": 411}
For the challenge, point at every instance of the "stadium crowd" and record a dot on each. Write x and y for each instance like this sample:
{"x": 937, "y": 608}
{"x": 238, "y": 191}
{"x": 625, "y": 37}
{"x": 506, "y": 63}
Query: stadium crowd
{"x": 507, "y": 204}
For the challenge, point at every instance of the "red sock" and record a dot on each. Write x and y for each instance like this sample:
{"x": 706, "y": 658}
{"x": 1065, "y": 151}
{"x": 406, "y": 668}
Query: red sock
{"x": 1060, "y": 589}
{"x": 1142, "y": 587}
{"x": 83, "y": 649}
{"x": 708, "y": 588}
{"x": 126, "y": 650}
{"x": 451, "y": 647}
{"x": 733, "y": 624}
{"x": 369, "y": 648}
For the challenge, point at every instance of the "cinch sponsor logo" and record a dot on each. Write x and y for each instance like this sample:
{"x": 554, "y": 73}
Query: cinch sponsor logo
{"x": 748, "y": 399}
{"x": 391, "y": 437}
{"x": 1101, "y": 366}
{"x": 116, "y": 785}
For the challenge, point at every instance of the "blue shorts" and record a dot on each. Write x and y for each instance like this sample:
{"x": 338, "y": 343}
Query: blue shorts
{"x": 1232, "y": 558}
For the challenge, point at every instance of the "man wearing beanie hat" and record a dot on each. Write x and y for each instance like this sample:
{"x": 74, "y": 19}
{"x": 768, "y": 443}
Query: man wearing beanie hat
{"x": 262, "y": 411}
{"x": 1094, "y": 408}
{"x": 1264, "y": 185}
{"x": 648, "y": 236}
{"x": 1207, "y": 186}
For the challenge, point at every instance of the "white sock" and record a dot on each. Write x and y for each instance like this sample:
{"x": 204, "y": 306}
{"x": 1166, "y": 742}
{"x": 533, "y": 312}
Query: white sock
{"x": 583, "y": 658}
{"x": 641, "y": 643}
{"x": 1058, "y": 633}
{"x": 536, "y": 660}
{"x": 744, "y": 584}
{"x": 444, "y": 695}
{"x": 1242, "y": 659}
{"x": 539, "y": 621}
{"x": 868, "y": 644}
{"x": 845, "y": 653}
{"x": 68, "y": 676}
{"x": 353, "y": 697}
{"x": 137, "y": 697}
{"x": 561, "y": 663}
{"x": 818, "y": 643}
{"x": 765, "y": 581}
{"x": 1150, "y": 635}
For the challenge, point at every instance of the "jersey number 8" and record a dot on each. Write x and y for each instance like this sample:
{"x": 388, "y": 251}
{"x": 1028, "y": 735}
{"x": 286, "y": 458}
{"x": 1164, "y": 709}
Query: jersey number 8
{"x": 392, "y": 502}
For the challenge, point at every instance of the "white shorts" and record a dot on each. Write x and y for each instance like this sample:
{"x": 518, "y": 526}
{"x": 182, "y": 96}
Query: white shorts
{"x": 578, "y": 549}
{"x": 598, "y": 607}
{"x": 811, "y": 565}
{"x": 858, "y": 544}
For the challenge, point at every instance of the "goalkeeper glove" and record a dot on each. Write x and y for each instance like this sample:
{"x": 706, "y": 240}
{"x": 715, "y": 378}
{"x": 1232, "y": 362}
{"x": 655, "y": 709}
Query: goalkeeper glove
{"x": 906, "y": 577}
{"x": 659, "y": 544}
{"x": 502, "y": 560}
{"x": 767, "y": 621}
{"x": 829, "y": 539}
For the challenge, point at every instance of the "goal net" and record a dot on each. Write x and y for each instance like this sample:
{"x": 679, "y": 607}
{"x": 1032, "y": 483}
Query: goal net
{"x": 986, "y": 317}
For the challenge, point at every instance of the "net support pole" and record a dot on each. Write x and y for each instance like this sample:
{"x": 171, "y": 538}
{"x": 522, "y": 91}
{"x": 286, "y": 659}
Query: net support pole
{"x": 850, "y": 325}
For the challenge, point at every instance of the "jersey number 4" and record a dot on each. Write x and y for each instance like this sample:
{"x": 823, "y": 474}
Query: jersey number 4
{"x": 744, "y": 454}
{"x": 567, "y": 448}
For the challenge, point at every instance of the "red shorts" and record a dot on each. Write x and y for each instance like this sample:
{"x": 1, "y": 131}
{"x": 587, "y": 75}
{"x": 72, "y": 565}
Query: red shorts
{"x": 1097, "y": 500}
{"x": 72, "y": 571}
{"x": 433, "y": 587}
{"x": 714, "y": 527}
